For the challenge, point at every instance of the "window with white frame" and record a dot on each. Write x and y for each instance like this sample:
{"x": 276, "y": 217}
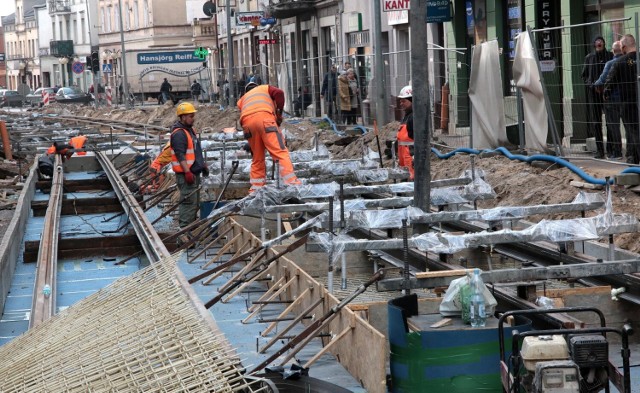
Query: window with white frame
{"x": 145, "y": 13}
{"x": 136, "y": 18}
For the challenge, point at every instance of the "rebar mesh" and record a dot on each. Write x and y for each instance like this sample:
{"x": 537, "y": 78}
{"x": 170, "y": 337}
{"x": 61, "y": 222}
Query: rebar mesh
{"x": 142, "y": 333}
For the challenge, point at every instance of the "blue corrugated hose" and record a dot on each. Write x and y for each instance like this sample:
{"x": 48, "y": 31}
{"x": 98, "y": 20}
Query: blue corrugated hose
{"x": 538, "y": 157}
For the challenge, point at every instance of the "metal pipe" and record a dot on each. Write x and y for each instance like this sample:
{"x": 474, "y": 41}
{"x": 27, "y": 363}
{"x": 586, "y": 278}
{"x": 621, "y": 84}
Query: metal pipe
{"x": 6, "y": 143}
{"x": 330, "y": 269}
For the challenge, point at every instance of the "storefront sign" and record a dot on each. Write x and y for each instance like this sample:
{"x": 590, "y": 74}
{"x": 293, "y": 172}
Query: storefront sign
{"x": 438, "y": 11}
{"x": 548, "y": 41}
{"x": 395, "y": 5}
{"x": 354, "y": 22}
{"x": 397, "y": 17}
{"x": 248, "y": 18}
{"x": 169, "y": 71}
{"x": 268, "y": 41}
{"x": 167, "y": 57}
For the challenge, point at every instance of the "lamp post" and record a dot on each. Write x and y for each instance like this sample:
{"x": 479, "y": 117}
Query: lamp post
{"x": 124, "y": 58}
{"x": 232, "y": 90}
{"x": 63, "y": 62}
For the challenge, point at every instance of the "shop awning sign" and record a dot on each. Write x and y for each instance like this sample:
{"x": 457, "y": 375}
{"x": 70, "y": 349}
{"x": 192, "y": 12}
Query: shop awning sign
{"x": 395, "y": 5}
{"x": 249, "y": 18}
{"x": 438, "y": 11}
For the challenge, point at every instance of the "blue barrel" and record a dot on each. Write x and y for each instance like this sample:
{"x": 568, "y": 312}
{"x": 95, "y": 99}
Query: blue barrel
{"x": 452, "y": 359}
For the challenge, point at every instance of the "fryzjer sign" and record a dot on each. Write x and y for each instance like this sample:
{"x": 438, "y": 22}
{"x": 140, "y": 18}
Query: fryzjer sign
{"x": 168, "y": 57}
{"x": 548, "y": 15}
{"x": 395, "y": 5}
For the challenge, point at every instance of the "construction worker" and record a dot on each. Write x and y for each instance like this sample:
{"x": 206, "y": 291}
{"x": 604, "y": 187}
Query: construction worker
{"x": 164, "y": 158}
{"x": 187, "y": 162}
{"x": 260, "y": 116}
{"x": 78, "y": 142}
{"x": 405, "y": 133}
{"x": 58, "y": 149}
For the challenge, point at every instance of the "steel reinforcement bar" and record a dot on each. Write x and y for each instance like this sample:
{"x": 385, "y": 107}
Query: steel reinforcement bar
{"x": 44, "y": 293}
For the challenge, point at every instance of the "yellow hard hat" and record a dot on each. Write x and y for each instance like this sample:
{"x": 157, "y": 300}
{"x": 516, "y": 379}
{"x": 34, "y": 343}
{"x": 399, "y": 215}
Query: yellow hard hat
{"x": 185, "y": 108}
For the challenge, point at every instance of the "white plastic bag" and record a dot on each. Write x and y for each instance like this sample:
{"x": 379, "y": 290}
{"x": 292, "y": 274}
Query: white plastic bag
{"x": 451, "y": 305}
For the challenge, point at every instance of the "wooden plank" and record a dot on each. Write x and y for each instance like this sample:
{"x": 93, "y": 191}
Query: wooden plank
{"x": 443, "y": 273}
{"x": 587, "y": 186}
{"x": 442, "y": 323}
{"x": 561, "y": 292}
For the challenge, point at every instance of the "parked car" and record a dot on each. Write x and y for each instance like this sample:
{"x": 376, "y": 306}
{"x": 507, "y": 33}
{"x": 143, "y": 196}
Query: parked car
{"x": 35, "y": 98}
{"x": 67, "y": 95}
{"x": 10, "y": 98}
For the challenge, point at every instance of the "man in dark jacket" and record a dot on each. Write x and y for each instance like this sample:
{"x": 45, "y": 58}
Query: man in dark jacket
{"x": 593, "y": 66}
{"x": 623, "y": 76}
{"x": 165, "y": 90}
{"x": 330, "y": 89}
{"x": 187, "y": 161}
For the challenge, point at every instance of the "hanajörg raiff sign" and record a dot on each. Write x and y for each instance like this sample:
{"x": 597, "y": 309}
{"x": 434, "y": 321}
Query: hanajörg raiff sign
{"x": 395, "y": 5}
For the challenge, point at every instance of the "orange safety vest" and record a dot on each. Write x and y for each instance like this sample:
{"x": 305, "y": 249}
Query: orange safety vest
{"x": 163, "y": 158}
{"x": 256, "y": 100}
{"x": 190, "y": 155}
{"x": 404, "y": 151}
{"x": 78, "y": 143}
{"x": 51, "y": 150}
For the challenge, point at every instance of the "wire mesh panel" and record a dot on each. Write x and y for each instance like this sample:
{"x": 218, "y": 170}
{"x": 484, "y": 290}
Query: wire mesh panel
{"x": 140, "y": 334}
{"x": 587, "y": 110}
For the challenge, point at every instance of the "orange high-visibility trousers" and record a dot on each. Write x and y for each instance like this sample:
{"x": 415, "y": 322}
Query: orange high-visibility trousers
{"x": 262, "y": 132}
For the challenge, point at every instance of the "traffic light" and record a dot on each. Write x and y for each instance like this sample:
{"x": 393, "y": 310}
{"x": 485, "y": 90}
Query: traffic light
{"x": 95, "y": 62}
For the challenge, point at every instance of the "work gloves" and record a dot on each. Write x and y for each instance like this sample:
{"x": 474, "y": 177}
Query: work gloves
{"x": 189, "y": 177}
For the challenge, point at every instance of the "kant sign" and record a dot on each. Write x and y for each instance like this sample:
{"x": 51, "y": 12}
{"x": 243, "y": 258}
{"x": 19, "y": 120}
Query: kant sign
{"x": 395, "y": 5}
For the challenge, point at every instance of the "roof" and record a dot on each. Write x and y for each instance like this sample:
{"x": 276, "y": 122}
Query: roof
{"x": 9, "y": 19}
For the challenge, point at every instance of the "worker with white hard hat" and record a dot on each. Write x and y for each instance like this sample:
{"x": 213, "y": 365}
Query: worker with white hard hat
{"x": 405, "y": 133}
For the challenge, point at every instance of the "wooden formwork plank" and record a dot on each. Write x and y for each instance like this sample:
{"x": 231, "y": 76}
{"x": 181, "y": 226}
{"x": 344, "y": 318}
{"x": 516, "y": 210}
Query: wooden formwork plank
{"x": 286, "y": 311}
{"x": 362, "y": 353}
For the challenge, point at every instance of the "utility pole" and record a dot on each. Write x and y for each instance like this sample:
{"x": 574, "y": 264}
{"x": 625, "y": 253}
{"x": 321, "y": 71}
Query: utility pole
{"x": 381, "y": 94}
{"x": 125, "y": 87}
{"x": 232, "y": 90}
{"x": 421, "y": 117}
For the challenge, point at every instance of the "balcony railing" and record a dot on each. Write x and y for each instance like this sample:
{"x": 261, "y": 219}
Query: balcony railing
{"x": 59, "y": 6}
{"x": 289, "y": 8}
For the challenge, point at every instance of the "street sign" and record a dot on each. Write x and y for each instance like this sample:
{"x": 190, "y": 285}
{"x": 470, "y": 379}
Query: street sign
{"x": 269, "y": 41}
{"x": 77, "y": 67}
{"x": 107, "y": 68}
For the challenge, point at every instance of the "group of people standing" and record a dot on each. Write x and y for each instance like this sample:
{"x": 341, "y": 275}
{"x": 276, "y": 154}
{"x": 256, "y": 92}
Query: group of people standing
{"x": 341, "y": 93}
{"x": 610, "y": 79}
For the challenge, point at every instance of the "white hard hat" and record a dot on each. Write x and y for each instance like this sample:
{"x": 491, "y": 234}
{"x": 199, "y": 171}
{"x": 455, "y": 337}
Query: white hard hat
{"x": 406, "y": 92}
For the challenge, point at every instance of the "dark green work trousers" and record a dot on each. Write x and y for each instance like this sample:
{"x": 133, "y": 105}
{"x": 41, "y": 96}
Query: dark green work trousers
{"x": 188, "y": 210}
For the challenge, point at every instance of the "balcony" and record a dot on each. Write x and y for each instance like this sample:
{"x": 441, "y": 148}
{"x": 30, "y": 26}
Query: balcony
{"x": 59, "y": 6}
{"x": 290, "y": 8}
{"x": 61, "y": 48}
{"x": 204, "y": 28}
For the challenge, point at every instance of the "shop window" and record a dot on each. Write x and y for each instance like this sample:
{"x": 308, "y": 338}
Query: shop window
{"x": 476, "y": 21}
{"x": 514, "y": 12}
{"x": 603, "y": 10}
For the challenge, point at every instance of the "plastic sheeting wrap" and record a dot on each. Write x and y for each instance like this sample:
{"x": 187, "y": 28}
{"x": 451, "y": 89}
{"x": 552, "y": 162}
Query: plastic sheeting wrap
{"x": 331, "y": 243}
{"x": 315, "y": 191}
{"x": 372, "y": 175}
{"x": 372, "y": 219}
{"x": 344, "y": 168}
{"x": 310, "y": 155}
{"x": 227, "y": 136}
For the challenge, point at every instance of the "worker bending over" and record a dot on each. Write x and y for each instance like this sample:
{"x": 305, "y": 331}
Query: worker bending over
{"x": 405, "y": 133}
{"x": 78, "y": 143}
{"x": 260, "y": 116}
{"x": 187, "y": 162}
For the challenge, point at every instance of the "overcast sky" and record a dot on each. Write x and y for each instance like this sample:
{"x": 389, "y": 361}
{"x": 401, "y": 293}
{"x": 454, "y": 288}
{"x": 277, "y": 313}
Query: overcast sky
{"x": 7, "y": 7}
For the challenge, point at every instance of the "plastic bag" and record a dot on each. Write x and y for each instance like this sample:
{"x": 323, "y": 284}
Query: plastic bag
{"x": 457, "y": 298}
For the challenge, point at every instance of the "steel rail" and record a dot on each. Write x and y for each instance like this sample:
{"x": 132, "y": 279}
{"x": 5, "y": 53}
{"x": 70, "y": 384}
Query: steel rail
{"x": 43, "y": 304}
{"x": 151, "y": 243}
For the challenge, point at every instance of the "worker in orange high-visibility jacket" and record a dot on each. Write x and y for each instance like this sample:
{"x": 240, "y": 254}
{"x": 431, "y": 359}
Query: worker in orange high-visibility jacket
{"x": 260, "y": 116}
{"x": 187, "y": 162}
{"x": 78, "y": 143}
{"x": 405, "y": 133}
{"x": 164, "y": 158}
{"x": 59, "y": 149}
